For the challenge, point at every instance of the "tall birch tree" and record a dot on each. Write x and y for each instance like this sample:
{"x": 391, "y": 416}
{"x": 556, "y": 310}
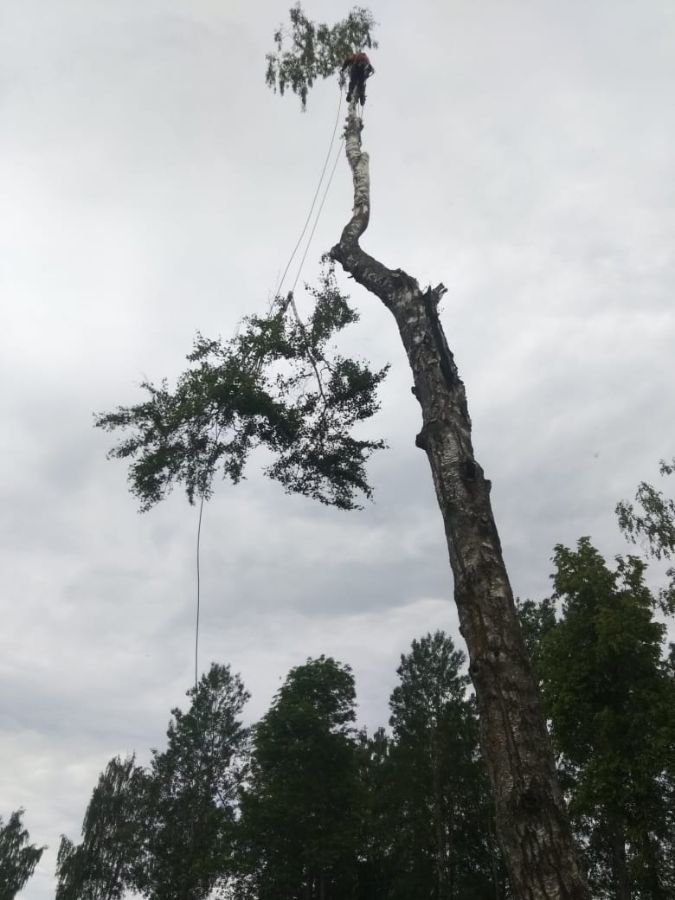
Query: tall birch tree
{"x": 231, "y": 401}
{"x": 532, "y": 821}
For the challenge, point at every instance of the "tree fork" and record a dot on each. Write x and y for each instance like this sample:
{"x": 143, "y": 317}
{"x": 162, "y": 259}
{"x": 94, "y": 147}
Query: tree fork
{"x": 531, "y": 818}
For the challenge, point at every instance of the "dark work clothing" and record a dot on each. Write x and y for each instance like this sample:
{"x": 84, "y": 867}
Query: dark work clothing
{"x": 359, "y": 70}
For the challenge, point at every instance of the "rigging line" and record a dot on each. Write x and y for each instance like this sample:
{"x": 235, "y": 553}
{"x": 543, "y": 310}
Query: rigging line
{"x": 300, "y": 322}
{"x": 217, "y": 433}
{"x": 318, "y": 215}
{"x": 291, "y": 298}
{"x": 199, "y": 537}
{"x": 316, "y": 194}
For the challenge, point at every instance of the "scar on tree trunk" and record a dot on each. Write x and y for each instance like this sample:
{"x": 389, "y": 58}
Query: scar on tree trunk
{"x": 531, "y": 819}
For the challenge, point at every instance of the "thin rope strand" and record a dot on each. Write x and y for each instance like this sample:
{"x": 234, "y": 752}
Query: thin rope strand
{"x": 318, "y": 214}
{"x": 316, "y": 194}
{"x": 291, "y": 297}
{"x": 199, "y": 536}
{"x": 300, "y": 323}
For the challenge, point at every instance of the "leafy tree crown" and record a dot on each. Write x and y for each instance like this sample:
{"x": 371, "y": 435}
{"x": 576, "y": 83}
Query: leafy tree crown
{"x": 278, "y": 384}
{"x": 307, "y": 51}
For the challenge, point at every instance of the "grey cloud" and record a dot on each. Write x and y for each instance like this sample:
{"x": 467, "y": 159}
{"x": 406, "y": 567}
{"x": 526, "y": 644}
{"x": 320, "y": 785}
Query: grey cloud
{"x": 153, "y": 187}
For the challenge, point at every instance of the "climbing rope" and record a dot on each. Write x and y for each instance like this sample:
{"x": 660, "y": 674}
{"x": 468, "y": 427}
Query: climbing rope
{"x": 318, "y": 214}
{"x": 298, "y": 319}
{"x": 314, "y": 198}
{"x": 291, "y": 294}
{"x": 199, "y": 537}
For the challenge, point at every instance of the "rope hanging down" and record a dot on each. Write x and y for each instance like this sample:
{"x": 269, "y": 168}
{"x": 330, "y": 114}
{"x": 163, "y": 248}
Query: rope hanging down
{"x": 199, "y": 537}
{"x": 311, "y": 208}
{"x": 296, "y": 314}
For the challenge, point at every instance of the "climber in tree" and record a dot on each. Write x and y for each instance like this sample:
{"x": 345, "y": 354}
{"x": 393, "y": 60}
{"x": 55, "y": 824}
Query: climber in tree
{"x": 359, "y": 70}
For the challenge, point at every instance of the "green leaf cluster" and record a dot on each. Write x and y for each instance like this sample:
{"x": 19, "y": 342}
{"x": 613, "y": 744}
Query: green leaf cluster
{"x": 301, "y": 808}
{"x": 652, "y": 519}
{"x": 164, "y": 831}
{"x": 18, "y": 857}
{"x": 610, "y": 697}
{"x": 192, "y": 790}
{"x": 439, "y": 798}
{"x": 278, "y": 384}
{"x": 100, "y": 866}
{"x": 309, "y": 808}
{"x": 334, "y": 814}
{"x": 307, "y": 51}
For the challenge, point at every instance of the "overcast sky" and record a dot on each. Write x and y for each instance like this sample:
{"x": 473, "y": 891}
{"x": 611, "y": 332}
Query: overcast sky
{"x": 152, "y": 186}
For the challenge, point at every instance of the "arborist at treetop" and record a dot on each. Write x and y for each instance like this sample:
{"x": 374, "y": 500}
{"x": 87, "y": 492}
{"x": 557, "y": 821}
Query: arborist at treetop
{"x": 359, "y": 69}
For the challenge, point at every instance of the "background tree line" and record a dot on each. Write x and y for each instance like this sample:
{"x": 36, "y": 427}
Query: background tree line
{"x": 305, "y": 806}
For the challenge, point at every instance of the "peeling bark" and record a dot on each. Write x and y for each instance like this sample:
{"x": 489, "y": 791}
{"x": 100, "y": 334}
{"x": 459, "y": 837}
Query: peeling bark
{"x": 532, "y": 823}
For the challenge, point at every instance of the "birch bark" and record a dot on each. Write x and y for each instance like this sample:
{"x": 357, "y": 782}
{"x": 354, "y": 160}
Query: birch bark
{"x": 532, "y": 823}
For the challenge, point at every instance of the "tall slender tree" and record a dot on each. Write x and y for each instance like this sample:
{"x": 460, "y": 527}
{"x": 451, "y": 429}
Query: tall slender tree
{"x": 100, "y": 866}
{"x": 532, "y": 821}
{"x": 192, "y": 793}
{"x": 166, "y": 831}
{"x": 610, "y": 696}
{"x": 301, "y": 810}
{"x": 443, "y": 820}
{"x": 379, "y": 867}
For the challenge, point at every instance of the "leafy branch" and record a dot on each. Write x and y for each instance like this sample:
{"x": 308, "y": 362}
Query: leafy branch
{"x": 310, "y": 51}
{"x": 278, "y": 384}
{"x": 654, "y": 519}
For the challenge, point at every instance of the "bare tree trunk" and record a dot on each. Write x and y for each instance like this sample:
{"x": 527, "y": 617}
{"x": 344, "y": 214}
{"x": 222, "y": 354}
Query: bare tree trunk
{"x": 494, "y": 861}
{"x": 619, "y": 867}
{"x": 653, "y": 880}
{"x": 439, "y": 824}
{"x": 532, "y": 823}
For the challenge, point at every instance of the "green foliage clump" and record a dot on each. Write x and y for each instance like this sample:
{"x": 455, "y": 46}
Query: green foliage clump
{"x": 18, "y": 858}
{"x": 112, "y": 831}
{"x": 309, "y": 808}
{"x": 278, "y": 384}
{"x": 654, "y": 519}
{"x": 191, "y": 794}
{"x": 301, "y": 810}
{"x": 309, "y": 51}
{"x": 438, "y": 798}
{"x": 610, "y": 697}
{"x": 166, "y": 831}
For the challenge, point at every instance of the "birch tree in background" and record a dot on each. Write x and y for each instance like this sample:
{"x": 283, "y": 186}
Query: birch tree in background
{"x": 18, "y": 858}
